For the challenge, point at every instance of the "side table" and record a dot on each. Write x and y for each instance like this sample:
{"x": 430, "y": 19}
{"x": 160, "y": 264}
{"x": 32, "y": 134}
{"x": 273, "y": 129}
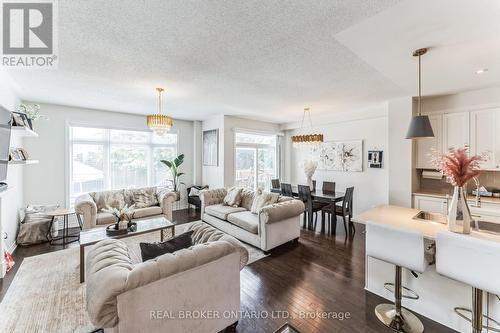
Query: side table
{"x": 66, "y": 238}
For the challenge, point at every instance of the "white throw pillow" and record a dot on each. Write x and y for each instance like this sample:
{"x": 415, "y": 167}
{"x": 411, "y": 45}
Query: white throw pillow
{"x": 262, "y": 198}
{"x": 194, "y": 192}
{"x": 233, "y": 197}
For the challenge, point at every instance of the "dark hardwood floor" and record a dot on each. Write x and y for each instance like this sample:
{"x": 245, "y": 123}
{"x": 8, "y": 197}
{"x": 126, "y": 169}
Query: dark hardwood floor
{"x": 321, "y": 275}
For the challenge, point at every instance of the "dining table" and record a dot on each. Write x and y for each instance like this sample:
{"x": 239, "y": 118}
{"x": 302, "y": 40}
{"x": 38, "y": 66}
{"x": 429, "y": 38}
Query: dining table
{"x": 328, "y": 197}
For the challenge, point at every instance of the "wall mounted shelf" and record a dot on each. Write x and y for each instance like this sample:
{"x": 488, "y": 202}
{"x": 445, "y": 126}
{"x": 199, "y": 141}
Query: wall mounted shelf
{"x": 24, "y": 131}
{"x": 24, "y": 162}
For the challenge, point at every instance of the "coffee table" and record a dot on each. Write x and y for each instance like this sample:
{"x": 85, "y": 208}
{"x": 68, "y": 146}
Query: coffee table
{"x": 92, "y": 236}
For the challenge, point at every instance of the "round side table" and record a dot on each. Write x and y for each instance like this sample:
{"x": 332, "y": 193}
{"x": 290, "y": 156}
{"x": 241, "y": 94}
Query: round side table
{"x": 66, "y": 238}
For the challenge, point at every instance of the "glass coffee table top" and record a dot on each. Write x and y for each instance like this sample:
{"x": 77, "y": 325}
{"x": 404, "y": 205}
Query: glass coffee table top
{"x": 88, "y": 237}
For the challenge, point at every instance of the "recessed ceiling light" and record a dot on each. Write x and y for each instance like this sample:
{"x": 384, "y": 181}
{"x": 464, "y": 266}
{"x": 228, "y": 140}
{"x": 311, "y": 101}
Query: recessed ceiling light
{"x": 481, "y": 71}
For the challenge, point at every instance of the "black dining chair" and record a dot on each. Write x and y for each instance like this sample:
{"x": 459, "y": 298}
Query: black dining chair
{"x": 344, "y": 209}
{"x": 275, "y": 183}
{"x": 312, "y": 207}
{"x": 286, "y": 190}
{"x": 328, "y": 187}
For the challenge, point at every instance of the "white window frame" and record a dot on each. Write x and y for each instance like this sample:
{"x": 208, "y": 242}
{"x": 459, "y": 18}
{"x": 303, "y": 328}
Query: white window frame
{"x": 257, "y": 146}
{"x": 106, "y": 151}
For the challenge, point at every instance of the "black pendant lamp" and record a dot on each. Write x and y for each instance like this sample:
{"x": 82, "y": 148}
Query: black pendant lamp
{"x": 420, "y": 126}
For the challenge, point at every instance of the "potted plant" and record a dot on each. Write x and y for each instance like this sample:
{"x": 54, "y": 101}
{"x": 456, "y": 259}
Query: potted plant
{"x": 173, "y": 165}
{"x": 459, "y": 168}
{"x": 122, "y": 215}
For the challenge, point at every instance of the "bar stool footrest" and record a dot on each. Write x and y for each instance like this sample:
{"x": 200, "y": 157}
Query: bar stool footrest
{"x": 467, "y": 315}
{"x": 410, "y": 294}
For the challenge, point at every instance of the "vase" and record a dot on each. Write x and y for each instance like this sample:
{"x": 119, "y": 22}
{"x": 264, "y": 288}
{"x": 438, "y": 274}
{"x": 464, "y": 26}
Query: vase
{"x": 459, "y": 217}
{"x": 309, "y": 169}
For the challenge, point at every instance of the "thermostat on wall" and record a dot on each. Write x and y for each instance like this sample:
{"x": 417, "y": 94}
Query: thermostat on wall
{"x": 375, "y": 159}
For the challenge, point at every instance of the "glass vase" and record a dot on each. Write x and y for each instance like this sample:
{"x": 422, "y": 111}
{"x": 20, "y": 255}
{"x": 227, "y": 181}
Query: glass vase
{"x": 459, "y": 216}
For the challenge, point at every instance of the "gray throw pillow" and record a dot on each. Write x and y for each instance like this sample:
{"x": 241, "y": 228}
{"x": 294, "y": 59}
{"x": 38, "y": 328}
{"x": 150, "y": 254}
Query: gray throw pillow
{"x": 145, "y": 197}
{"x": 153, "y": 250}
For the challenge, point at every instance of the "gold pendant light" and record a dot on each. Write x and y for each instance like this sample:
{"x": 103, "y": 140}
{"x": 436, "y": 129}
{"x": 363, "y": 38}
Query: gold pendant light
{"x": 159, "y": 123}
{"x": 302, "y": 140}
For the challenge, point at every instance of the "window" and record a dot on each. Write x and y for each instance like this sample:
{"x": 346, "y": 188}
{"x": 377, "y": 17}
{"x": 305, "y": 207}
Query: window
{"x": 103, "y": 159}
{"x": 255, "y": 160}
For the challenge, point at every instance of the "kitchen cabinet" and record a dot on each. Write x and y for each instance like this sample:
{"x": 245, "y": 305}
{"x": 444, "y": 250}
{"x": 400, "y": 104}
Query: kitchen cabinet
{"x": 485, "y": 136}
{"x": 431, "y": 204}
{"x": 455, "y": 130}
{"x": 427, "y": 146}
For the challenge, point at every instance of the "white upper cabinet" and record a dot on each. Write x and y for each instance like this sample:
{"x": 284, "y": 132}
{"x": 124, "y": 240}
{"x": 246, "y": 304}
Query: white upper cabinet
{"x": 455, "y": 130}
{"x": 485, "y": 136}
{"x": 427, "y": 146}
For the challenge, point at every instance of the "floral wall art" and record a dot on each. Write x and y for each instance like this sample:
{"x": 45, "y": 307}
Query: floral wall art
{"x": 341, "y": 156}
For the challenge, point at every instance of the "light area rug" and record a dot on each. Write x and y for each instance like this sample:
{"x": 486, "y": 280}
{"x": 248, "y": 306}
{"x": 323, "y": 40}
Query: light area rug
{"x": 46, "y": 294}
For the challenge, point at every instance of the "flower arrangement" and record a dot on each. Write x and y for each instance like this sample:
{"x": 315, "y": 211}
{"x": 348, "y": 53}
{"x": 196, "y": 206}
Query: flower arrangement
{"x": 123, "y": 214}
{"x": 457, "y": 166}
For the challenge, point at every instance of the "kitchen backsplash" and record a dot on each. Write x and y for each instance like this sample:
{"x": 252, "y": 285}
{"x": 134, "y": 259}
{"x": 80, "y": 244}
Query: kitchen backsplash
{"x": 488, "y": 179}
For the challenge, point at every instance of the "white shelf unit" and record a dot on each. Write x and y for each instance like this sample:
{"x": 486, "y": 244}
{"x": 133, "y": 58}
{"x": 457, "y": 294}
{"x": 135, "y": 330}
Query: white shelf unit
{"x": 24, "y": 131}
{"x": 24, "y": 162}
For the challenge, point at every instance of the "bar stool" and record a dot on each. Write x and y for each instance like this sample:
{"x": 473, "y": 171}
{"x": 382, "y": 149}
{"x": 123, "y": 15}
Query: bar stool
{"x": 473, "y": 260}
{"x": 403, "y": 248}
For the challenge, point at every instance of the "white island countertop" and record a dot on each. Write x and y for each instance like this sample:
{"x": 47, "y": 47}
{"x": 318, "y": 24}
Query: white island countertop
{"x": 404, "y": 217}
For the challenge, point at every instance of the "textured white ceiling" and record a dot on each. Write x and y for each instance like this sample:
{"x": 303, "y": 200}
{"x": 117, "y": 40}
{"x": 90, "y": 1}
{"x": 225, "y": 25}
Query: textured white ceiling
{"x": 463, "y": 36}
{"x": 259, "y": 59}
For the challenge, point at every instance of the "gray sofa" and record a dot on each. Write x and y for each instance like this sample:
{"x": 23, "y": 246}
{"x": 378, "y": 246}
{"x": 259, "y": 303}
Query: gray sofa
{"x": 153, "y": 295}
{"x": 90, "y": 205}
{"x": 274, "y": 224}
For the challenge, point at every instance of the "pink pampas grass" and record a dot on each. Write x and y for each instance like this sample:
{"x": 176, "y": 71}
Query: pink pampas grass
{"x": 457, "y": 166}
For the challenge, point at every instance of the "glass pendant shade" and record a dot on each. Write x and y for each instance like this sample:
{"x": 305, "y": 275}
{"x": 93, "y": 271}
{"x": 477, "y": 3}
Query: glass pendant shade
{"x": 420, "y": 127}
{"x": 159, "y": 123}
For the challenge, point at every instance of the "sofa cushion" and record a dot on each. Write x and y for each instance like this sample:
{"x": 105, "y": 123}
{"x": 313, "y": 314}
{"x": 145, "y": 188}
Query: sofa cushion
{"x": 263, "y": 198}
{"x": 233, "y": 197}
{"x": 153, "y": 250}
{"x": 245, "y": 220}
{"x": 105, "y": 218}
{"x": 145, "y": 212}
{"x": 247, "y": 197}
{"x": 113, "y": 199}
{"x": 221, "y": 211}
{"x": 145, "y": 197}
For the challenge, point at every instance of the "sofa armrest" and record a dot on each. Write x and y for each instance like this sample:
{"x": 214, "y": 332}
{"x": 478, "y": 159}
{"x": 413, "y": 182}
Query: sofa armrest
{"x": 107, "y": 267}
{"x": 204, "y": 233}
{"x": 281, "y": 211}
{"x": 166, "y": 199}
{"x": 85, "y": 206}
{"x": 211, "y": 197}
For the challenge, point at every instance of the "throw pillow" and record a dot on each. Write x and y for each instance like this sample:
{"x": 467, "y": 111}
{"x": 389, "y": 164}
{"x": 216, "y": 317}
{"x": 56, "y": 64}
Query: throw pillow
{"x": 262, "y": 198}
{"x": 194, "y": 192}
{"x": 153, "y": 250}
{"x": 145, "y": 197}
{"x": 113, "y": 199}
{"x": 233, "y": 197}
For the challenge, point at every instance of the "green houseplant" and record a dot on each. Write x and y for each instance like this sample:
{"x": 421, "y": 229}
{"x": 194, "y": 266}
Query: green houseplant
{"x": 173, "y": 165}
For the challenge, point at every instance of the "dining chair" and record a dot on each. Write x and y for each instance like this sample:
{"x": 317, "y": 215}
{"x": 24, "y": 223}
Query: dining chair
{"x": 328, "y": 187}
{"x": 345, "y": 210}
{"x": 312, "y": 207}
{"x": 275, "y": 183}
{"x": 286, "y": 190}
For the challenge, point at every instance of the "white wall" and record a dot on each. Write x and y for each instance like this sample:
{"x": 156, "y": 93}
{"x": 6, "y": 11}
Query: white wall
{"x": 45, "y": 183}
{"x": 370, "y": 125}
{"x": 12, "y": 200}
{"x": 463, "y": 101}
{"x": 400, "y": 158}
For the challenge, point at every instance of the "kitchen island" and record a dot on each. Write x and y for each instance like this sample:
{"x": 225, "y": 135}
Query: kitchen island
{"x": 438, "y": 295}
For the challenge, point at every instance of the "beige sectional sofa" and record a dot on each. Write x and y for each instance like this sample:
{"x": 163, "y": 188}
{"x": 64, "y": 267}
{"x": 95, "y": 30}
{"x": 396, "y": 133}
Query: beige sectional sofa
{"x": 152, "y": 296}
{"x": 90, "y": 205}
{"x": 274, "y": 224}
